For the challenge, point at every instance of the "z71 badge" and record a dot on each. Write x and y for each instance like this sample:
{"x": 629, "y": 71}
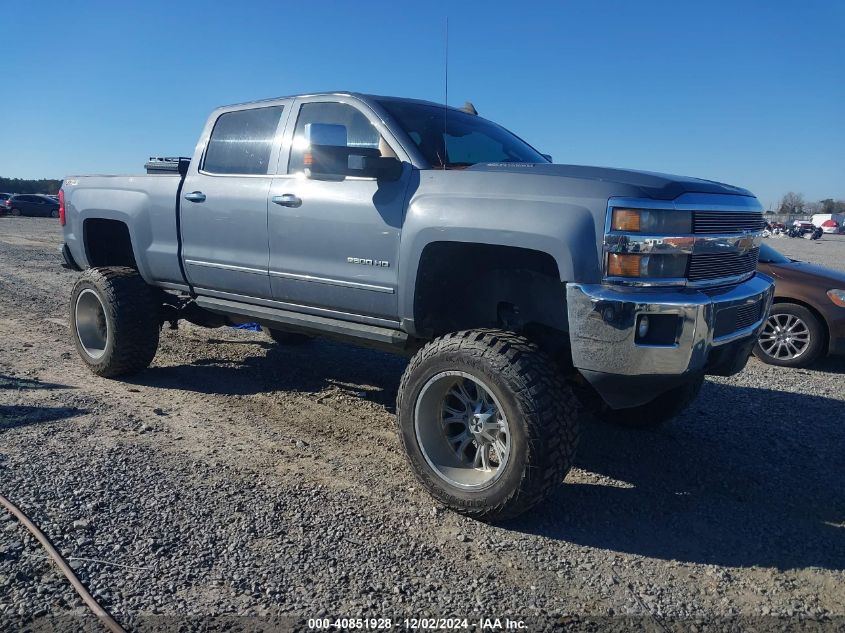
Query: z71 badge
{"x": 381, "y": 263}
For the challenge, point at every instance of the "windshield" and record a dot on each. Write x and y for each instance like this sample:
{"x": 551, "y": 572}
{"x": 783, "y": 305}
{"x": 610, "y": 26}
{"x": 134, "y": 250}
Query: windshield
{"x": 768, "y": 255}
{"x": 451, "y": 139}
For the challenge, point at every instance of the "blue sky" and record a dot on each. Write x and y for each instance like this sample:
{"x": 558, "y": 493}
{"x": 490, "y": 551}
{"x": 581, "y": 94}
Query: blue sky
{"x": 751, "y": 93}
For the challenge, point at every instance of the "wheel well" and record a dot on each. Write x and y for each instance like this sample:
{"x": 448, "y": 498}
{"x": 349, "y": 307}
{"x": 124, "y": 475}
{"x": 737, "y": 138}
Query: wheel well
{"x": 816, "y": 313}
{"x": 107, "y": 243}
{"x": 462, "y": 286}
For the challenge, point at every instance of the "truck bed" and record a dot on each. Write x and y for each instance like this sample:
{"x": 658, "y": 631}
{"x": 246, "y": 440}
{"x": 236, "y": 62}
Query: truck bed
{"x": 147, "y": 203}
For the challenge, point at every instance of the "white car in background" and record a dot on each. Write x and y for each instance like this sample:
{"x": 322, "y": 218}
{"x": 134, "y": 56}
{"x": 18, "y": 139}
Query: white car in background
{"x": 830, "y": 222}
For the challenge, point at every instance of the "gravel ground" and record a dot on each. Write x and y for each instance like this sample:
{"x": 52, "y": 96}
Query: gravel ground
{"x": 238, "y": 478}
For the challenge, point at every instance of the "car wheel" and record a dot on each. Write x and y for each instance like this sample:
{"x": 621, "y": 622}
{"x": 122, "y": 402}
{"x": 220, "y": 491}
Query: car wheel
{"x": 487, "y": 422}
{"x": 54, "y": 213}
{"x": 16, "y": 211}
{"x": 792, "y": 336}
{"x": 114, "y": 320}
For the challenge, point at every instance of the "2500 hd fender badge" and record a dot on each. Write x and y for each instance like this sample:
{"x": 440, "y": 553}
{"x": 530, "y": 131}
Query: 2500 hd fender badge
{"x": 381, "y": 263}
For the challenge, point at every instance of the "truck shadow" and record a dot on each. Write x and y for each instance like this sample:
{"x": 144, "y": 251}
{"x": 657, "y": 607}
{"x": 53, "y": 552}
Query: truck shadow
{"x": 15, "y": 416}
{"x": 309, "y": 368}
{"x": 17, "y": 382}
{"x": 745, "y": 477}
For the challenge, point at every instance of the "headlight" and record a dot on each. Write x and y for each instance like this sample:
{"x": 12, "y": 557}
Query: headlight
{"x": 654, "y": 266}
{"x": 837, "y": 296}
{"x": 652, "y": 221}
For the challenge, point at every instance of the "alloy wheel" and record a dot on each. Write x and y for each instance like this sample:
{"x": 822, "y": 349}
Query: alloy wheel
{"x": 784, "y": 337}
{"x": 91, "y": 323}
{"x": 462, "y": 431}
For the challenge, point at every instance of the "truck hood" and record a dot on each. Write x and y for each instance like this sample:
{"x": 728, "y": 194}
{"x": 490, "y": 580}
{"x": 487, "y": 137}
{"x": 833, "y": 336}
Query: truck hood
{"x": 652, "y": 185}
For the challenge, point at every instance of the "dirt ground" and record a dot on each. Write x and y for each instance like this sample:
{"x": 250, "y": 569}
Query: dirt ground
{"x": 238, "y": 477}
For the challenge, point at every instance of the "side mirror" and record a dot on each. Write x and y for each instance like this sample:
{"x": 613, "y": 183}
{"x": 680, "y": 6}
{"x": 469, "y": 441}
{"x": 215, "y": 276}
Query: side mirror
{"x": 329, "y": 157}
{"x": 378, "y": 167}
{"x": 548, "y": 157}
{"x": 326, "y": 156}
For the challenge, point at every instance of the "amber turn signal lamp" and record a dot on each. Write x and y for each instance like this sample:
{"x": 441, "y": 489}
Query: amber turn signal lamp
{"x": 625, "y": 220}
{"x": 623, "y": 265}
{"x": 837, "y": 296}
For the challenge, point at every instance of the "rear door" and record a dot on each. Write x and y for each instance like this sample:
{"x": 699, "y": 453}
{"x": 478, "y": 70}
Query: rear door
{"x": 224, "y": 201}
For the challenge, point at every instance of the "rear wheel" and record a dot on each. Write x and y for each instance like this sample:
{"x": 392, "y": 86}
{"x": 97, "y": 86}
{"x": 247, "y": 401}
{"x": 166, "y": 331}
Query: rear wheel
{"x": 792, "y": 336}
{"x": 15, "y": 211}
{"x": 488, "y": 425}
{"x": 287, "y": 338}
{"x": 114, "y": 318}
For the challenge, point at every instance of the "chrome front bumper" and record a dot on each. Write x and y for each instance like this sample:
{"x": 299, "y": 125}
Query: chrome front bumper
{"x": 602, "y": 331}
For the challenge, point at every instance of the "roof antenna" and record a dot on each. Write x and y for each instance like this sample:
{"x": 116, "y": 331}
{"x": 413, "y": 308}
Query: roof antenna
{"x": 445, "y": 96}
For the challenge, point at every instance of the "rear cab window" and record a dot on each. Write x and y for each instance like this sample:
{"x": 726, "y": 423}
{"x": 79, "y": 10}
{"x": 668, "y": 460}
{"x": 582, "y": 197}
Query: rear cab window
{"x": 242, "y": 141}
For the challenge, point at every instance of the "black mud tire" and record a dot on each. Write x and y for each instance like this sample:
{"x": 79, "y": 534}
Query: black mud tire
{"x": 54, "y": 213}
{"x": 15, "y": 212}
{"x": 287, "y": 338}
{"x": 816, "y": 330}
{"x": 542, "y": 411}
{"x": 654, "y": 414}
{"x": 131, "y": 311}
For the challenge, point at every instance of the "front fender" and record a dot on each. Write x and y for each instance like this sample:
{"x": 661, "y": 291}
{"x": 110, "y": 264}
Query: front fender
{"x": 565, "y": 231}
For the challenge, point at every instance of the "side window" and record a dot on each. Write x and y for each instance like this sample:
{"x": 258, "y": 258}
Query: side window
{"x": 241, "y": 141}
{"x": 335, "y": 124}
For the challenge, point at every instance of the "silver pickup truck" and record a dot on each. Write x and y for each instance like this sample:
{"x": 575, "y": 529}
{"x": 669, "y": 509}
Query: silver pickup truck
{"x": 524, "y": 292}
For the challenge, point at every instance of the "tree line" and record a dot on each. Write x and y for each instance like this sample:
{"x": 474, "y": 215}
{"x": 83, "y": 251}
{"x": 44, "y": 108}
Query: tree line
{"x": 794, "y": 204}
{"x": 22, "y": 185}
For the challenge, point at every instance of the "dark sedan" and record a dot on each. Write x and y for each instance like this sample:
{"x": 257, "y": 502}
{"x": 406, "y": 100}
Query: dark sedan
{"x": 807, "y": 320}
{"x": 33, "y": 204}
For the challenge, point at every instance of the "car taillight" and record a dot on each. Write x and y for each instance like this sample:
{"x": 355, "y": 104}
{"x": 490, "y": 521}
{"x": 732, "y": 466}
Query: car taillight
{"x": 61, "y": 207}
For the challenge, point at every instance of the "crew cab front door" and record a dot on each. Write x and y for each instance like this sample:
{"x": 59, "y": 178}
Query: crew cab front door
{"x": 223, "y": 206}
{"x": 334, "y": 242}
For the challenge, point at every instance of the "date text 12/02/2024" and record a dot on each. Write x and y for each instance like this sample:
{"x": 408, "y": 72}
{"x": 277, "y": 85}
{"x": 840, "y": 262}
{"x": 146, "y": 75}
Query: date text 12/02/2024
{"x": 415, "y": 624}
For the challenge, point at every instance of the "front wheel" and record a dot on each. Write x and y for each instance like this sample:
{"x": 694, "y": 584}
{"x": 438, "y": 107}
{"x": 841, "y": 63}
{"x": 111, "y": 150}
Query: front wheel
{"x": 54, "y": 213}
{"x": 792, "y": 336}
{"x": 487, "y": 422}
{"x": 114, "y": 320}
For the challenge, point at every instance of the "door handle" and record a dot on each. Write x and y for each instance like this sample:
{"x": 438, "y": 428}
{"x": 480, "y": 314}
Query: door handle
{"x": 287, "y": 200}
{"x": 195, "y": 196}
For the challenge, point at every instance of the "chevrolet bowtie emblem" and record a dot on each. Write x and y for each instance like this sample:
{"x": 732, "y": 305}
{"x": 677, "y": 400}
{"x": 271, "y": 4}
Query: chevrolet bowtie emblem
{"x": 745, "y": 243}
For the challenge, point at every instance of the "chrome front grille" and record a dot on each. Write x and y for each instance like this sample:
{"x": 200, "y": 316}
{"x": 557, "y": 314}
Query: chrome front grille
{"x": 704, "y": 222}
{"x": 697, "y": 240}
{"x": 707, "y": 266}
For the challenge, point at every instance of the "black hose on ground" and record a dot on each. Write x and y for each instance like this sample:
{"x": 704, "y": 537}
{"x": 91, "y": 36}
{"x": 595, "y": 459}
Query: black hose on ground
{"x": 109, "y": 622}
